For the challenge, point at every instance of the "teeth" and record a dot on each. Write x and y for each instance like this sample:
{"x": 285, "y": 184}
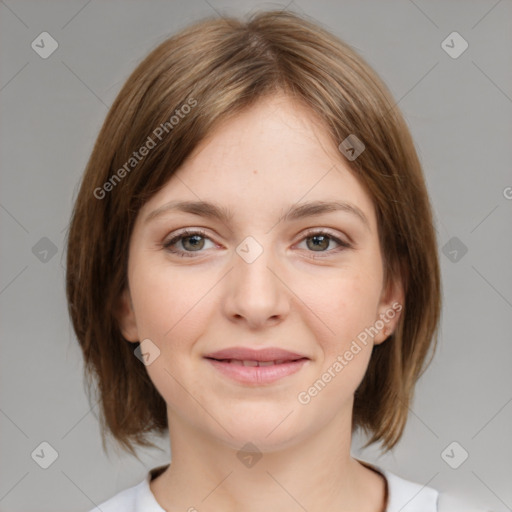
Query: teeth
{"x": 254, "y": 363}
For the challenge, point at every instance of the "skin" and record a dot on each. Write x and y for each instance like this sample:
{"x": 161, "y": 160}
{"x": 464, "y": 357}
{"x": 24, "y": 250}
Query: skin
{"x": 314, "y": 302}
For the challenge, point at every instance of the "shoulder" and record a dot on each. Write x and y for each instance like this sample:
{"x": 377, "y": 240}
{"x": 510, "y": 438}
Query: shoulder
{"x": 128, "y": 500}
{"x": 407, "y": 496}
{"x": 451, "y": 502}
{"x": 123, "y": 501}
{"x": 138, "y": 498}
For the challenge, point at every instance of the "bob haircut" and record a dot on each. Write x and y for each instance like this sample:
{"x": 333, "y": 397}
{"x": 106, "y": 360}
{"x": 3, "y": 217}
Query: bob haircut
{"x": 205, "y": 74}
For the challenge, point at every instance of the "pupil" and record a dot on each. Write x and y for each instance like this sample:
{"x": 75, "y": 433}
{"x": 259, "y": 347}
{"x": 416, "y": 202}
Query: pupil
{"x": 196, "y": 243}
{"x": 323, "y": 239}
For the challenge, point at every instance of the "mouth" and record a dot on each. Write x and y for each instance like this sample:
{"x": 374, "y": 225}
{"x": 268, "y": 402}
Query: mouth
{"x": 256, "y": 367}
{"x": 249, "y": 362}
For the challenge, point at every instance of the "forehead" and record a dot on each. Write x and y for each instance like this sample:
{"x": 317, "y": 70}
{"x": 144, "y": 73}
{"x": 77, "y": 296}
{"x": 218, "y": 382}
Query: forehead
{"x": 271, "y": 155}
{"x": 284, "y": 128}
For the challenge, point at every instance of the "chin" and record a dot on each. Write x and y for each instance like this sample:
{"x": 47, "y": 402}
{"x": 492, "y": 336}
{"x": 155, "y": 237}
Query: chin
{"x": 268, "y": 432}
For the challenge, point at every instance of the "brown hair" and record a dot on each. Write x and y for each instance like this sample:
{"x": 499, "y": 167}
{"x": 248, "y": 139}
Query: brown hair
{"x": 219, "y": 67}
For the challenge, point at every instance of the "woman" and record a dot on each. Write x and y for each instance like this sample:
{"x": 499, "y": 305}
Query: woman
{"x": 252, "y": 267}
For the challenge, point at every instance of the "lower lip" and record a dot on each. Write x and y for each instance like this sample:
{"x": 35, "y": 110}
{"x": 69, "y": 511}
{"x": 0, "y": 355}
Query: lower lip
{"x": 257, "y": 374}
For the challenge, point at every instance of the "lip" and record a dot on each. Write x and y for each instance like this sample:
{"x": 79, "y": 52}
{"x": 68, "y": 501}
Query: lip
{"x": 289, "y": 363}
{"x": 249, "y": 354}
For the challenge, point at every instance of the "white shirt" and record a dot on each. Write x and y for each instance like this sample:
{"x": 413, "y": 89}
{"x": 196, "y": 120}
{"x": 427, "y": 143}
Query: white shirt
{"x": 403, "y": 496}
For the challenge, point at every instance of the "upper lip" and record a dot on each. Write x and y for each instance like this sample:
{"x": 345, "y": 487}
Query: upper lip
{"x": 249, "y": 354}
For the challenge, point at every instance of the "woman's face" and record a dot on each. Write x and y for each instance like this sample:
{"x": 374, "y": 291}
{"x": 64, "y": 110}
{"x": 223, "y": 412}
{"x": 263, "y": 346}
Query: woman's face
{"x": 275, "y": 273}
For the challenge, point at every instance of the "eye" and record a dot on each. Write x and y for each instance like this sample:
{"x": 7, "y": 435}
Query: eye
{"x": 319, "y": 241}
{"x": 191, "y": 240}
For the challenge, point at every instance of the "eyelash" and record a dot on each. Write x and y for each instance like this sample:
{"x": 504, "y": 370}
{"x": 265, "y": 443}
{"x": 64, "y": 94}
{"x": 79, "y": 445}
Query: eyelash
{"x": 310, "y": 234}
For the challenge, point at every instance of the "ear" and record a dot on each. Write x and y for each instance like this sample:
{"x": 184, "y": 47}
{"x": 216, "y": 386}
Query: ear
{"x": 126, "y": 317}
{"x": 389, "y": 311}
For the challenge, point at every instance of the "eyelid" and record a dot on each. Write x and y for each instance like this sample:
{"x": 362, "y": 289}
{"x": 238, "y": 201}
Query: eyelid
{"x": 326, "y": 231}
{"x": 184, "y": 233}
{"x": 318, "y": 231}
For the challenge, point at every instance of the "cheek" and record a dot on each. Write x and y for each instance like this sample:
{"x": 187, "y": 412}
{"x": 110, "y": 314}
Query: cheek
{"x": 171, "y": 308}
{"x": 165, "y": 299}
{"x": 346, "y": 309}
{"x": 342, "y": 305}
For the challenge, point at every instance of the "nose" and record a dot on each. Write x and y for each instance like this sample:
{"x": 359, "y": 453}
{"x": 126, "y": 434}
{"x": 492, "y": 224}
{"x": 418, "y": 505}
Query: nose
{"x": 255, "y": 291}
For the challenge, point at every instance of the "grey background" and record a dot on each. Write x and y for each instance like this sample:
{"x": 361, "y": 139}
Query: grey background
{"x": 459, "y": 111}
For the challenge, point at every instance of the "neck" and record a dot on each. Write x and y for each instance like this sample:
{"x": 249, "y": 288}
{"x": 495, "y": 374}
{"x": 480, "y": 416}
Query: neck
{"x": 316, "y": 474}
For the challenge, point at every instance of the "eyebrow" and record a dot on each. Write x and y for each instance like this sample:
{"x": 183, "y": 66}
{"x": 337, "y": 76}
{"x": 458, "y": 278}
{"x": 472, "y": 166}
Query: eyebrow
{"x": 225, "y": 215}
